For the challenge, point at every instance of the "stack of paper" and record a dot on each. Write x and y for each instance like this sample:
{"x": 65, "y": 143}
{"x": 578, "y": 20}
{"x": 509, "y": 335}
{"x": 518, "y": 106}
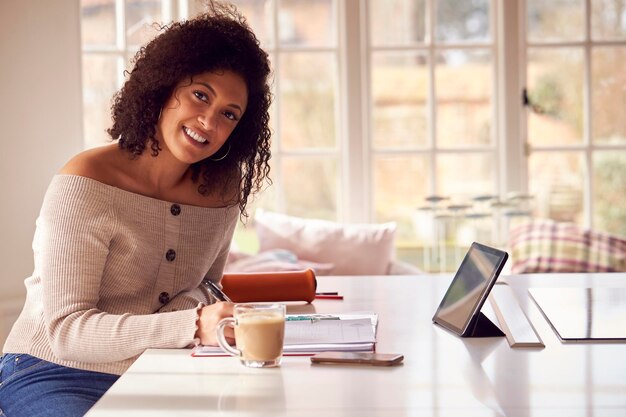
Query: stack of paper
{"x": 306, "y": 336}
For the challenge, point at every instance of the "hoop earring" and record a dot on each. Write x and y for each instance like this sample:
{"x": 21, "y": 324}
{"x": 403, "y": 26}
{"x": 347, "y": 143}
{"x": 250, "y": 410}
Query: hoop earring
{"x": 221, "y": 157}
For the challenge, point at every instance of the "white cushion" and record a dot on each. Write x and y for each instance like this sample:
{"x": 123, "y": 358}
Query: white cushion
{"x": 353, "y": 249}
{"x": 273, "y": 261}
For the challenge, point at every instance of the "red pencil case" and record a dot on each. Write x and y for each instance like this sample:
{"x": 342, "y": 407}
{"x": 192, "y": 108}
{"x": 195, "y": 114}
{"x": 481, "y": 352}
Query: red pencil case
{"x": 270, "y": 286}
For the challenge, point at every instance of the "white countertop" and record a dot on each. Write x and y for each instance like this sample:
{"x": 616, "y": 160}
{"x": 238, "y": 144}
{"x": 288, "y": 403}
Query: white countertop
{"x": 442, "y": 374}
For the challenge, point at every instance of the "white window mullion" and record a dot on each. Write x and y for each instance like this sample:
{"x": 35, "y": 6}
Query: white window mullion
{"x": 120, "y": 24}
{"x": 432, "y": 103}
{"x": 315, "y": 152}
{"x": 353, "y": 109}
{"x": 183, "y": 9}
{"x": 120, "y": 39}
{"x": 422, "y": 151}
{"x": 582, "y": 147}
{"x": 495, "y": 98}
{"x": 167, "y": 11}
{"x": 587, "y": 122}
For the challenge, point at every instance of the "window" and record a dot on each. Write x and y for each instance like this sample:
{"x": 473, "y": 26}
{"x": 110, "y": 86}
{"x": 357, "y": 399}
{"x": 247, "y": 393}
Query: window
{"x": 413, "y": 111}
{"x": 434, "y": 145}
{"x": 112, "y": 32}
{"x": 301, "y": 37}
{"x": 575, "y": 127}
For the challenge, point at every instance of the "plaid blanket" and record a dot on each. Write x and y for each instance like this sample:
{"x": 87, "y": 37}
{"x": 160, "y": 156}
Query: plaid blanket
{"x": 549, "y": 246}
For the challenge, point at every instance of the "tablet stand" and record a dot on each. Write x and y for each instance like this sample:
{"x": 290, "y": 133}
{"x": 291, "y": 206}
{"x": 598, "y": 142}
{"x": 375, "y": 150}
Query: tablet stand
{"x": 481, "y": 326}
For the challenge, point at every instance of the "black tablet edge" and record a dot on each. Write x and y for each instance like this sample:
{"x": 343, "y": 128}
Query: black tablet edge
{"x": 503, "y": 257}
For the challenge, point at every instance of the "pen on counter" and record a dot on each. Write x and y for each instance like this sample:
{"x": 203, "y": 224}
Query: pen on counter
{"x": 328, "y": 297}
{"x": 327, "y": 293}
{"x": 216, "y": 291}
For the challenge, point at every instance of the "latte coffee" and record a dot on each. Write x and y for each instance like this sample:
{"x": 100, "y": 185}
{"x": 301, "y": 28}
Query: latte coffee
{"x": 259, "y": 334}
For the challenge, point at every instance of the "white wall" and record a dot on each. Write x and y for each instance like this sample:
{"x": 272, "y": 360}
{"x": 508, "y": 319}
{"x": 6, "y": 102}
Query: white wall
{"x": 40, "y": 122}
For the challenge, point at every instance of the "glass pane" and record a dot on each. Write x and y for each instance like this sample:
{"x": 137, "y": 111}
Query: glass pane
{"x": 307, "y": 22}
{"x": 556, "y": 180}
{"x": 307, "y": 85}
{"x": 550, "y": 21}
{"x": 463, "y": 88}
{"x": 399, "y": 100}
{"x": 609, "y": 94}
{"x": 608, "y": 19}
{"x": 97, "y": 19}
{"x": 245, "y": 237}
{"x": 555, "y": 88}
{"x": 609, "y": 203}
{"x": 462, "y": 177}
{"x": 259, "y": 14}
{"x": 400, "y": 185}
{"x": 310, "y": 185}
{"x": 141, "y": 16}
{"x": 397, "y": 22}
{"x": 463, "y": 21}
{"x": 99, "y": 85}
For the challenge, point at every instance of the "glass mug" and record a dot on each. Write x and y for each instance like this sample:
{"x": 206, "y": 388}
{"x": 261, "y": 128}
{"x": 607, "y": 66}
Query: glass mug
{"x": 259, "y": 334}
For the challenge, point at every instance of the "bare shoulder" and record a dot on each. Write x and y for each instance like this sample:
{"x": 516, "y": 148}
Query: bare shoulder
{"x": 98, "y": 163}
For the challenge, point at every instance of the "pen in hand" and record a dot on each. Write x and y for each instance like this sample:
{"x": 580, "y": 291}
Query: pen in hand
{"x": 216, "y": 291}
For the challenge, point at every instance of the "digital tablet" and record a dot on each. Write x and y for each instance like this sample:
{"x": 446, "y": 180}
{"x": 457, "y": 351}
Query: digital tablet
{"x": 459, "y": 310}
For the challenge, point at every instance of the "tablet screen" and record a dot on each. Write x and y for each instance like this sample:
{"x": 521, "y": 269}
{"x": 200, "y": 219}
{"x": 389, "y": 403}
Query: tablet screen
{"x": 469, "y": 288}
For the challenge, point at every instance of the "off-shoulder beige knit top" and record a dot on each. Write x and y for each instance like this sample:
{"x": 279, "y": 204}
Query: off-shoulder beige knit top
{"x": 116, "y": 273}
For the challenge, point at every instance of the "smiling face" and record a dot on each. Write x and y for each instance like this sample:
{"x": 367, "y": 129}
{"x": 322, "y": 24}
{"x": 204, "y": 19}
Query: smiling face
{"x": 201, "y": 114}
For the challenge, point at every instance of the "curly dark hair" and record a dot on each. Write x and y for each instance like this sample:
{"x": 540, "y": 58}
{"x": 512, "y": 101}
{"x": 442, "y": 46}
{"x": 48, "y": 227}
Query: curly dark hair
{"x": 216, "y": 40}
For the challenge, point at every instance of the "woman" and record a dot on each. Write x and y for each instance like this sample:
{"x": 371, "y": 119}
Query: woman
{"x": 128, "y": 232}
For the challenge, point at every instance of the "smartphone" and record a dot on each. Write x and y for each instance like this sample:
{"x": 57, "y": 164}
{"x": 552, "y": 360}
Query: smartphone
{"x": 361, "y": 358}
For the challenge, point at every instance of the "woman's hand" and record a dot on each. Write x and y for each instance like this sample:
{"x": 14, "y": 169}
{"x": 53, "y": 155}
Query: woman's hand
{"x": 207, "y": 323}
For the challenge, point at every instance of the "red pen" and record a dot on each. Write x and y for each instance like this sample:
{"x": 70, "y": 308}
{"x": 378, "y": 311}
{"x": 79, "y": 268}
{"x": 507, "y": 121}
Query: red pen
{"x": 328, "y": 297}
